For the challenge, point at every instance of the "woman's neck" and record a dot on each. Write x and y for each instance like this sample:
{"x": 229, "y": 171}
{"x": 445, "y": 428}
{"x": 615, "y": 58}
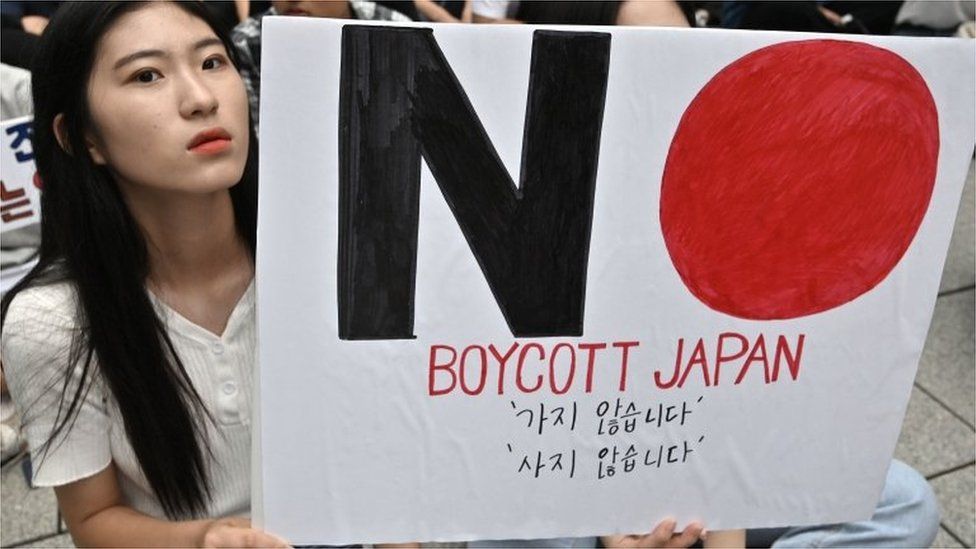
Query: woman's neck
{"x": 191, "y": 239}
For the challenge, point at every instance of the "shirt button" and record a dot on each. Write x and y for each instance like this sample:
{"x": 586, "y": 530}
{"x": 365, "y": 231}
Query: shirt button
{"x": 230, "y": 388}
{"x": 217, "y": 349}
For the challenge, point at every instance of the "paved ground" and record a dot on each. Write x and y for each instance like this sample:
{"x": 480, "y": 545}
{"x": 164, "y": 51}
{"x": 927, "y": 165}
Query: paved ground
{"x": 938, "y": 438}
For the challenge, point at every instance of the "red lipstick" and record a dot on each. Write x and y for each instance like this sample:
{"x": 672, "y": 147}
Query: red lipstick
{"x": 210, "y": 141}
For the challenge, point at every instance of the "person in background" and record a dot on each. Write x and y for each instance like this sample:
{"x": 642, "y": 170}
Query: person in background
{"x": 33, "y": 16}
{"x": 23, "y": 23}
{"x": 812, "y": 16}
{"x": 444, "y": 11}
{"x": 435, "y": 11}
{"x": 227, "y": 14}
{"x": 18, "y": 249}
{"x": 632, "y": 12}
{"x": 494, "y": 11}
{"x": 406, "y": 7}
{"x": 660, "y": 13}
{"x": 936, "y": 18}
{"x": 246, "y": 37}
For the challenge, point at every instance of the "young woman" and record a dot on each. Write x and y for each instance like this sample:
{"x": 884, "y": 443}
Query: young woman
{"x": 129, "y": 348}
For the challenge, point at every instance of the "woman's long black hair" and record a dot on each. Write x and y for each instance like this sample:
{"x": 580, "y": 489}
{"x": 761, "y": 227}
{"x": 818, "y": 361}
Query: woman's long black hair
{"x": 90, "y": 239}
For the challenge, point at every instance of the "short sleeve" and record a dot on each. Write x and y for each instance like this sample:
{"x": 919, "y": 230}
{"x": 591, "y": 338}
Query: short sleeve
{"x": 36, "y": 350}
{"x": 495, "y": 9}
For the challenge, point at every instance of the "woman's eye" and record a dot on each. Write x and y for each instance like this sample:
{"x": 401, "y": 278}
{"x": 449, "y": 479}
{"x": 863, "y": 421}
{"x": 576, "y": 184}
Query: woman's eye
{"x": 213, "y": 63}
{"x": 148, "y": 76}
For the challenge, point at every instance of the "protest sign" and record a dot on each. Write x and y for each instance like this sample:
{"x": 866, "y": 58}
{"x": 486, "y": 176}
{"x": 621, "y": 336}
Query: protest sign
{"x": 20, "y": 199}
{"x": 20, "y": 204}
{"x": 523, "y": 282}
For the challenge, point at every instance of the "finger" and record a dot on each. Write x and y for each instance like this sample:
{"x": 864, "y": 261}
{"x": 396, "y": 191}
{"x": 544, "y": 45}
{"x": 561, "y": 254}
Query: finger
{"x": 610, "y": 541}
{"x": 662, "y": 532}
{"x": 688, "y": 537}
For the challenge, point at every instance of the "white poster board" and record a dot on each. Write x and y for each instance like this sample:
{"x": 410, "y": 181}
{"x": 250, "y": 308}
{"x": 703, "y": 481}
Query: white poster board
{"x": 20, "y": 203}
{"x": 733, "y": 200}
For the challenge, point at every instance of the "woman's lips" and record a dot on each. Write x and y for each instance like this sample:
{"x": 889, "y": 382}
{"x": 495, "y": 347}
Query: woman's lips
{"x": 211, "y": 147}
{"x": 210, "y": 141}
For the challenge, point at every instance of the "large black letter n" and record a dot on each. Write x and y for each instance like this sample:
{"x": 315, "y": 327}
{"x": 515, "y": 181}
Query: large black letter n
{"x": 400, "y": 100}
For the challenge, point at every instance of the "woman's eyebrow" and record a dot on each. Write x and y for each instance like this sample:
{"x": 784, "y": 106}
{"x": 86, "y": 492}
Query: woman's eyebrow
{"x": 137, "y": 55}
{"x": 206, "y": 42}
{"x": 198, "y": 45}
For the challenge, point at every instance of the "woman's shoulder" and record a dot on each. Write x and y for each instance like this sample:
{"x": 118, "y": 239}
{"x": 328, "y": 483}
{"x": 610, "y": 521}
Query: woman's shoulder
{"x": 44, "y": 365}
{"x": 39, "y": 332}
{"x": 41, "y": 322}
{"x": 54, "y": 303}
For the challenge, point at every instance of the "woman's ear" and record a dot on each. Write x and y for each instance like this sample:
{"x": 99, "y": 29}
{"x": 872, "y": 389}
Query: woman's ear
{"x": 59, "y": 133}
{"x": 62, "y": 136}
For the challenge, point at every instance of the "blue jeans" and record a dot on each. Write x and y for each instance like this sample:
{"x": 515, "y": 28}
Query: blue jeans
{"x": 906, "y": 516}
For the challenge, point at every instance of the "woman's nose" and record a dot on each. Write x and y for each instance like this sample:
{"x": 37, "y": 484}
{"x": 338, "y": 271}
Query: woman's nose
{"x": 197, "y": 99}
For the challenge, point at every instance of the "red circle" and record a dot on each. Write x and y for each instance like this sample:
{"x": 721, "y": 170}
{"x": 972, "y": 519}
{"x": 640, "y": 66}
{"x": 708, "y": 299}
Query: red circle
{"x": 798, "y": 177}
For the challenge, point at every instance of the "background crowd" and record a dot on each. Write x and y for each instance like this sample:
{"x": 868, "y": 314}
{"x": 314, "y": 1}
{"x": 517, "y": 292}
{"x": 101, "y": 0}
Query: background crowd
{"x": 24, "y": 21}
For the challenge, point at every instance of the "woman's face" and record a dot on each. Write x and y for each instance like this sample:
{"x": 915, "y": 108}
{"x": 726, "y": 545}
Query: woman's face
{"x": 169, "y": 111}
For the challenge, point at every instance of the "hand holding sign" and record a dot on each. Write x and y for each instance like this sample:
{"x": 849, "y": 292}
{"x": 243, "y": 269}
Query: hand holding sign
{"x": 663, "y": 535}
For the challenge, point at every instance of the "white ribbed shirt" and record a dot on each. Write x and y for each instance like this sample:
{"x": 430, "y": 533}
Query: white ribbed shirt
{"x": 36, "y": 339}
